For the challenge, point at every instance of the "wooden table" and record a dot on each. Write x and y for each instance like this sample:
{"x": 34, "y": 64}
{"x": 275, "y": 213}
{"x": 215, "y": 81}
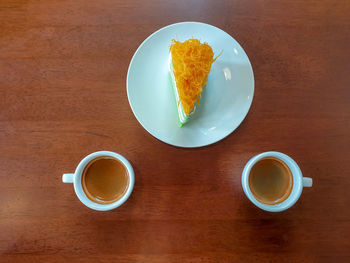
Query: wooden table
{"x": 63, "y": 68}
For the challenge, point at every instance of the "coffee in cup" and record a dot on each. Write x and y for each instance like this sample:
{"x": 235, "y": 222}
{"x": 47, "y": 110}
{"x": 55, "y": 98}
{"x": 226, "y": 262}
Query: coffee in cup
{"x": 103, "y": 180}
{"x": 270, "y": 181}
{"x": 273, "y": 181}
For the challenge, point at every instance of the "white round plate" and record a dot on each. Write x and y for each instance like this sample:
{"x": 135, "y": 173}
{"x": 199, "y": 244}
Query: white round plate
{"x": 224, "y": 103}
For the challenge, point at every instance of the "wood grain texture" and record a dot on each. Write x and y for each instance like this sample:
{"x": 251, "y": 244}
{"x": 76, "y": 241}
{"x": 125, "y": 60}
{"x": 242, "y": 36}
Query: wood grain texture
{"x": 63, "y": 68}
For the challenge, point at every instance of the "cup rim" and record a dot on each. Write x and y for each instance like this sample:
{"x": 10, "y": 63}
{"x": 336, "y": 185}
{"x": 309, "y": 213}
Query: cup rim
{"x": 78, "y": 184}
{"x": 297, "y": 181}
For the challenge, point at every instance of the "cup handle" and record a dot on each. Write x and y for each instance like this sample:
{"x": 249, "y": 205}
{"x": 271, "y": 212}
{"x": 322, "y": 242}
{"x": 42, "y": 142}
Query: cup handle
{"x": 307, "y": 182}
{"x": 68, "y": 178}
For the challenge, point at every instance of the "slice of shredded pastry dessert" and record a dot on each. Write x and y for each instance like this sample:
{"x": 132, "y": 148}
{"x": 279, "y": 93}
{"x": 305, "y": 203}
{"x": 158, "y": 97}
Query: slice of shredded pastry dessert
{"x": 189, "y": 64}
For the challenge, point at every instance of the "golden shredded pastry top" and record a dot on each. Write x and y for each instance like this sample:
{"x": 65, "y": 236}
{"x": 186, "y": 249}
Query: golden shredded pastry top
{"x": 191, "y": 65}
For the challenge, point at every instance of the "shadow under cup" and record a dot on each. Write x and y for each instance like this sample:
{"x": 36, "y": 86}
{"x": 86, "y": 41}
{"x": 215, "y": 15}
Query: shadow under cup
{"x": 105, "y": 180}
{"x": 270, "y": 181}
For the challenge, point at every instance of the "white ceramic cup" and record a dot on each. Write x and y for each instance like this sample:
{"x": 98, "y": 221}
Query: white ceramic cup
{"x": 75, "y": 178}
{"x": 298, "y": 182}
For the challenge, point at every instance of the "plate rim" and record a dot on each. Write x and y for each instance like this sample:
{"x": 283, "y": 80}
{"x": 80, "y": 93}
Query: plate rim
{"x": 128, "y": 95}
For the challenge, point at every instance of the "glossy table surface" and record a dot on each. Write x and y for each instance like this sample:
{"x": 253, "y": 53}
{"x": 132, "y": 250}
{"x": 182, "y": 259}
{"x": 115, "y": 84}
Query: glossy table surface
{"x": 63, "y": 68}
